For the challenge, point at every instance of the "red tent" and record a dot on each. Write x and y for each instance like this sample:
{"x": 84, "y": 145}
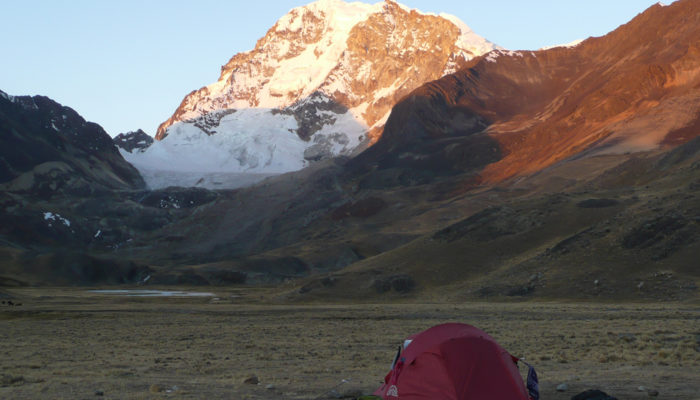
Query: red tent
{"x": 453, "y": 362}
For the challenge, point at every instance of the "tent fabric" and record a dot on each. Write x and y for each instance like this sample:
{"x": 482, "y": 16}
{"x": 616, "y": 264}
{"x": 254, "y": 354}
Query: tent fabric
{"x": 454, "y": 362}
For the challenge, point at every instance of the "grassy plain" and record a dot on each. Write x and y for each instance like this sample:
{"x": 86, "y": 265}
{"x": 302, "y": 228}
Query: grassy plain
{"x": 71, "y": 344}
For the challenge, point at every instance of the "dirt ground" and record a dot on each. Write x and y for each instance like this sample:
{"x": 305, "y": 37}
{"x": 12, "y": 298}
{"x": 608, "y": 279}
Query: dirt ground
{"x": 71, "y": 344}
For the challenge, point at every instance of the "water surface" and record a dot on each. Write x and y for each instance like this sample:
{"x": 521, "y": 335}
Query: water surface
{"x": 152, "y": 293}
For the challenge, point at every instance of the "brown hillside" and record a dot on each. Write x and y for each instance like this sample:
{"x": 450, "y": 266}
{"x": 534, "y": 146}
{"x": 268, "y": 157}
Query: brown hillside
{"x": 514, "y": 113}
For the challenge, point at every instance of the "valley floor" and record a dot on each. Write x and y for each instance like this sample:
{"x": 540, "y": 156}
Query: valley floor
{"x": 68, "y": 343}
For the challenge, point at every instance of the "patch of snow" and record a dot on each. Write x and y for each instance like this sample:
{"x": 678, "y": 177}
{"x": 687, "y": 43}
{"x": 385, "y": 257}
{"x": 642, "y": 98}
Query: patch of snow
{"x": 99, "y": 232}
{"x": 494, "y": 55}
{"x": 49, "y": 216}
{"x": 389, "y": 91}
{"x": 567, "y": 45}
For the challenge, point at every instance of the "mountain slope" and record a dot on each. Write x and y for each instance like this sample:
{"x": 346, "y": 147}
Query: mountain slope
{"x": 320, "y": 83}
{"x": 61, "y": 179}
{"x": 510, "y": 114}
{"x": 566, "y": 173}
{"x": 48, "y": 147}
{"x": 521, "y": 163}
{"x": 628, "y": 230}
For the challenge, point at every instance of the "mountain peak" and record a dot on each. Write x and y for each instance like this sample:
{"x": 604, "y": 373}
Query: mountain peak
{"x": 324, "y": 46}
{"x": 324, "y": 78}
{"x": 333, "y": 14}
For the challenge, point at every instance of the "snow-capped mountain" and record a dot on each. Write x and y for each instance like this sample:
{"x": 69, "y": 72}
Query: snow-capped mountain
{"x": 320, "y": 83}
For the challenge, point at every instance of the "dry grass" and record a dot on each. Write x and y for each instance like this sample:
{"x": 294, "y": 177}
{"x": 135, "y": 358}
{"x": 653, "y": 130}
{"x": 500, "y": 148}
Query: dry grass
{"x": 70, "y": 344}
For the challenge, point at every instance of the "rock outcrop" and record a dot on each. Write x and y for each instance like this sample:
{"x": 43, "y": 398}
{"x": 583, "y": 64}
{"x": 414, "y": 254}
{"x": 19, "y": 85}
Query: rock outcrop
{"x": 133, "y": 141}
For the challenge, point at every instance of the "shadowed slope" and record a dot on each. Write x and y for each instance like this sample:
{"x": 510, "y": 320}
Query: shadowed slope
{"x": 40, "y": 135}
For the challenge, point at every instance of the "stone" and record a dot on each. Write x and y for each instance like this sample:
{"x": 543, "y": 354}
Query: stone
{"x": 642, "y": 389}
{"x": 593, "y": 395}
{"x": 270, "y": 387}
{"x": 562, "y": 387}
{"x": 653, "y": 393}
{"x": 251, "y": 380}
{"x": 99, "y": 393}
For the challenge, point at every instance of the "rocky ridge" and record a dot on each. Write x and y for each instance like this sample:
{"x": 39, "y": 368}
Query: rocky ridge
{"x": 133, "y": 141}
